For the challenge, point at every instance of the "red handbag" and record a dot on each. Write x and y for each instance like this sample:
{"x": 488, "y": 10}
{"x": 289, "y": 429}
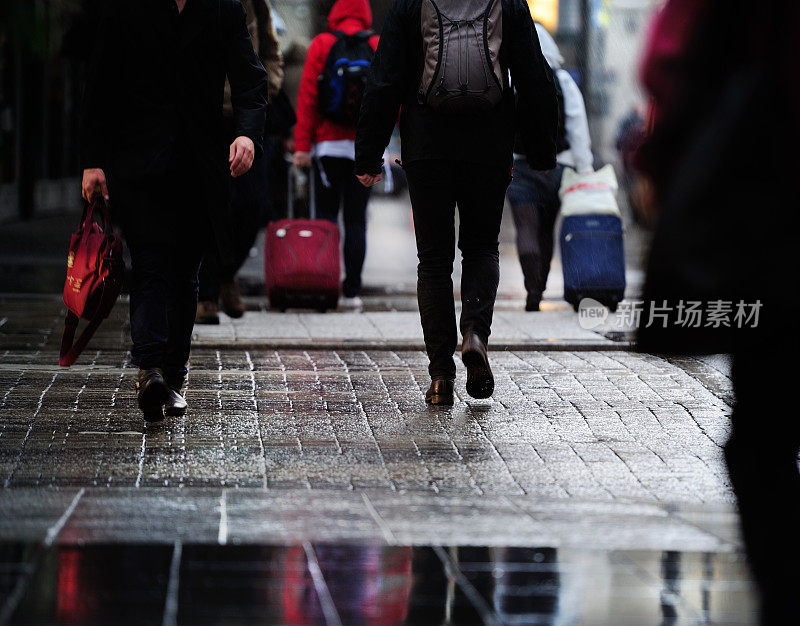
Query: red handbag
{"x": 95, "y": 269}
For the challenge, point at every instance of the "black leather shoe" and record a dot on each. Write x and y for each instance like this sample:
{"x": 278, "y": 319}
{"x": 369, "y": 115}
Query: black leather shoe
{"x": 176, "y": 405}
{"x": 480, "y": 380}
{"x": 532, "y": 303}
{"x": 152, "y": 392}
{"x": 440, "y": 393}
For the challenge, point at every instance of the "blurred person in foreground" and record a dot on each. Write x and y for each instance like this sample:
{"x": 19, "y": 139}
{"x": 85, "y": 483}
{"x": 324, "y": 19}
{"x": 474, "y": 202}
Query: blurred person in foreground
{"x": 328, "y": 138}
{"x": 457, "y": 147}
{"x": 533, "y": 195}
{"x": 722, "y": 157}
{"x": 249, "y": 192}
{"x": 153, "y": 140}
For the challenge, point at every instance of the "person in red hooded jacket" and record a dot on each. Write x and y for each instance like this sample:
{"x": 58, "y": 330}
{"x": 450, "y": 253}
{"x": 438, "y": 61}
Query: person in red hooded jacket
{"x": 331, "y": 146}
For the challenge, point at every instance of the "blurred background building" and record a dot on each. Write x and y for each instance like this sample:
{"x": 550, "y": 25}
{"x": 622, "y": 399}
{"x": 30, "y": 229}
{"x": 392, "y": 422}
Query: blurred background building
{"x": 43, "y": 42}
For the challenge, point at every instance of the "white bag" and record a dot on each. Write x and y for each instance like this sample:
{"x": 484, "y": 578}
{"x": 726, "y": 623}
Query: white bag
{"x": 589, "y": 194}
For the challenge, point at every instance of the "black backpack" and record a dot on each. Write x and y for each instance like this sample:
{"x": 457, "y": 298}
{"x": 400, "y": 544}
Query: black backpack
{"x": 342, "y": 82}
{"x": 461, "y": 46}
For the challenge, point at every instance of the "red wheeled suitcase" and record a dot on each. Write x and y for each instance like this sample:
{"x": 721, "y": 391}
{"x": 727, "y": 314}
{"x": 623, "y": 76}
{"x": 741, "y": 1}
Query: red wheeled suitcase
{"x": 302, "y": 259}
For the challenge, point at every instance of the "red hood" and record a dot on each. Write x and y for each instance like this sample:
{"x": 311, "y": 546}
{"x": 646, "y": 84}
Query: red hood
{"x": 350, "y": 16}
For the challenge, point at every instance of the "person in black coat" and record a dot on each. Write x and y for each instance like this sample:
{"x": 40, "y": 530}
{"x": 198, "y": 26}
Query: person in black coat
{"x": 721, "y": 156}
{"x": 153, "y": 142}
{"x": 462, "y": 159}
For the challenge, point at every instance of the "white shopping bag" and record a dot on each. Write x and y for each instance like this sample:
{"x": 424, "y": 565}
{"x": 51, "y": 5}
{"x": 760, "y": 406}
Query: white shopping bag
{"x": 589, "y": 194}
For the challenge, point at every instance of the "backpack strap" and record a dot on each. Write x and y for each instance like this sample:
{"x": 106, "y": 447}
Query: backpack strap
{"x": 362, "y": 34}
{"x": 70, "y": 351}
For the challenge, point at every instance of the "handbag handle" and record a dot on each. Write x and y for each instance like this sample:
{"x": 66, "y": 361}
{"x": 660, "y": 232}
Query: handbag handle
{"x": 99, "y": 205}
{"x": 69, "y": 351}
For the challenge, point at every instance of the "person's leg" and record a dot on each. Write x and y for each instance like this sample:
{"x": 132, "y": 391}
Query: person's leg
{"x": 210, "y": 278}
{"x": 526, "y": 220}
{"x": 481, "y": 194}
{"x": 248, "y": 195}
{"x": 762, "y": 463}
{"x": 149, "y": 288}
{"x": 328, "y": 188}
{"x": 355, "y": 200}
{"x": 433, "y": 200}
{"x": 186, "y": 193}
{"x": 550, "y": 203}
{"x": 533, "y": 197}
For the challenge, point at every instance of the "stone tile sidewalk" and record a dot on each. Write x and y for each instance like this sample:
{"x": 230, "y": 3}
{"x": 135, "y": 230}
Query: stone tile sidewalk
{"x": 36, "y": 324}
{"x": 623, "y": 440}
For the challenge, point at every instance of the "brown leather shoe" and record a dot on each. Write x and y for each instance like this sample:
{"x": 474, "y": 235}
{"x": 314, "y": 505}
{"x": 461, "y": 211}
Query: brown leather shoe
{"x": 207, "y": 313}
{"x": 231, "y": 299}
{"x": 480, "y": 380}
{"x": 440, "y": 392}
{"x": 152, "y": 393}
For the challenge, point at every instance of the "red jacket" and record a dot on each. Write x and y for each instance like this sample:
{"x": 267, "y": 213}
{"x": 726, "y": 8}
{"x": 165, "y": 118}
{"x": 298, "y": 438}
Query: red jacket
{"x": 349, "y": 16}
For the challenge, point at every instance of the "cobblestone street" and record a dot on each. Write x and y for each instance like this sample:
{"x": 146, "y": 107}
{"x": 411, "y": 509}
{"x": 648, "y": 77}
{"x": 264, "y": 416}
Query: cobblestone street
{"x": 311, "y": 430}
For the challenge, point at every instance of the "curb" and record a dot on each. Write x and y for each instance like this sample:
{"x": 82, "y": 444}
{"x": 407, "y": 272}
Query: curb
{"x": 539, "y": 346}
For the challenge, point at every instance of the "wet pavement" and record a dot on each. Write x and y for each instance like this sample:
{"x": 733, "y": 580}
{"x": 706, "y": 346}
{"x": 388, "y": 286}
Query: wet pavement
{"x": 310, "y": 484}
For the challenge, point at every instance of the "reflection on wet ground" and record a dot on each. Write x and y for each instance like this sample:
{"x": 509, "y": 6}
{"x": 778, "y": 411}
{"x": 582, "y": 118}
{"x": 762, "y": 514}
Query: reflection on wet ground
{"x": 367, "y": 584}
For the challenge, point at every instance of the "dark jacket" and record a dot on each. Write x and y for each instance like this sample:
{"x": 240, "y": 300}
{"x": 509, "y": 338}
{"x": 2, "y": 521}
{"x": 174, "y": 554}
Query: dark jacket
{"x": 487, "y": 138}
{"x": 154, "y": 82}
{"x": 721, "y": 156}
{"x": 155, "y": 90}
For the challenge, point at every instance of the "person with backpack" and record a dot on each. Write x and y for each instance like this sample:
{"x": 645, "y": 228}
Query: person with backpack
{"x": 533, "y": 195}
{"x": 153, "y": 142}
{"x": 328, "y": 103}
{"x": 447, "y": 64}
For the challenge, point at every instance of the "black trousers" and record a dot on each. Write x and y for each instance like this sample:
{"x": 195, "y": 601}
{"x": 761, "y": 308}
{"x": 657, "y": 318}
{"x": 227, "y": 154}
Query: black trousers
{"x": 436, "y": 188}
{"x": 249, "y": 201}
{"x": 165, "y": 259}
{"x": 762, "y": 462}
{"x": 337, "y": 187}
{"x": 534, "y": 201}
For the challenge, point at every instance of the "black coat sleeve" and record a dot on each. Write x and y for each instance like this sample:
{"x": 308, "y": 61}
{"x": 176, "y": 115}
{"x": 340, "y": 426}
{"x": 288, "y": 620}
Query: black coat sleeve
{"x": 387, "y": 80}
{"x": 537, "y": 102}
{"x": 247, "y": 78}
{"x": 97, "y": 104}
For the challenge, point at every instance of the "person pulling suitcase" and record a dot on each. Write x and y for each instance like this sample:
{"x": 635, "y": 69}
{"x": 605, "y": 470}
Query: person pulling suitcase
{"x": 534, "y": 196}
{"x": 328, "y": 104}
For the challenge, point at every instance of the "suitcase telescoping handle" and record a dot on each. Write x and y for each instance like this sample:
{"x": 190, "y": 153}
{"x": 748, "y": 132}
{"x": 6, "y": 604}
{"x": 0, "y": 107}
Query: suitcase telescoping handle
{"x": 294, "y": 175}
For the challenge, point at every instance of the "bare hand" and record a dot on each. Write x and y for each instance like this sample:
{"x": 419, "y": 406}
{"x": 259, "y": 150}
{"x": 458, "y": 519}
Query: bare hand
{"x": 369, "y": 179}
{"x": 302, "y": 159}
{"x": 94, "y": 181}
{"x": 241, "y": 157}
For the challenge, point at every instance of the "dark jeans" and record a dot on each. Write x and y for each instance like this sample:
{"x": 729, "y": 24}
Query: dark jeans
{"x": 534, "y": 201}
{"x": 762, "y": 462}
{"x": 249, "y": 199}
{"x": 436, "y": 187}
{"x": 163, "y": 281}
{"x": 337, "y": 187}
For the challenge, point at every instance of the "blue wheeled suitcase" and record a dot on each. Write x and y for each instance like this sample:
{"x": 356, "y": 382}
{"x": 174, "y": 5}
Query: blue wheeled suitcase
{"x": 593, "y": 259}
{"x": 592, "y": 251}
